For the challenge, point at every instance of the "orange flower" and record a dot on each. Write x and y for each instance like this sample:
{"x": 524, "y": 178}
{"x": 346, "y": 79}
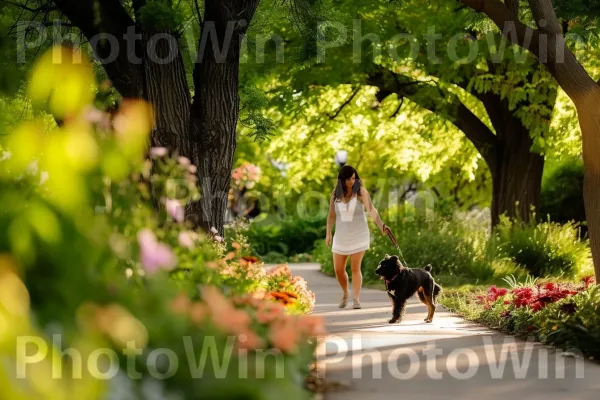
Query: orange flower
{"x": 268, "y": 312}
{"x": 236, "y": 245}
{"x": 312, "y": 325}
{"x": 223, "y": 313}
{"x": 249, "y": 340}
{"x": 284, "y": 335}
{"x": 197, "y": 312}
{"x": 278, "y": 295}
{"x": 180, "y": 304}
{"x": 212, "y": 265}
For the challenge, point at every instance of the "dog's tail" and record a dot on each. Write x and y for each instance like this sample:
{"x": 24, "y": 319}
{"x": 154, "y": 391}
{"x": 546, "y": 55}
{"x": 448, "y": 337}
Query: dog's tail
{"x": 436, "y": 290}
{"x": 428, "y": 268}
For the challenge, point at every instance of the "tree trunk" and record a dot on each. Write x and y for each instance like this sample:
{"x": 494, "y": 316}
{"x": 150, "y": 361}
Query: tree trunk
{"x": 166, "y": 88}
{"x": 517, "y": 180}
{"x": 589, "y": 120}
{"x": 215, "y": 109}
{"x": 517, "y": 171}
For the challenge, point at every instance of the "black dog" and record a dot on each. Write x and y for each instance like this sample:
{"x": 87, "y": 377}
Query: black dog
{"x": 402, "y": 283}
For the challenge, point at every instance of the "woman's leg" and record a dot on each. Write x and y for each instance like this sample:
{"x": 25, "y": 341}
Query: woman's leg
{"x": 355, "y": 263}
{"x": 339, "y": 265}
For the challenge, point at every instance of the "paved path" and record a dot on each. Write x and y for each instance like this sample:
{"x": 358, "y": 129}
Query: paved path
{"x": 449, "y": 358}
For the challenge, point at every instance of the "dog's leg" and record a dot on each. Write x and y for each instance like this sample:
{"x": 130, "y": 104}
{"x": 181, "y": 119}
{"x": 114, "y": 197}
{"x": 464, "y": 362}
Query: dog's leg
{"x": 421, "y": 295}
{"x": 398, "y": 310}
{"x": 436, "y": 291}
{"x": 428, "y": 295}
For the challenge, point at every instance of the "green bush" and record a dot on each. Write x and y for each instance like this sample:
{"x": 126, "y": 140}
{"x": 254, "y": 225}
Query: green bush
{"x": 542, "y": 249}
{"x": 562, "y": 193}
{"x": 447, "y": 244}
{"x": 288, "y": 237}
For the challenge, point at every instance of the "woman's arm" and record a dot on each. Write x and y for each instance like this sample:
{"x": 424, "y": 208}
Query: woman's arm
{"x": 366, "y": 199}
{"x": 330, "y": 219}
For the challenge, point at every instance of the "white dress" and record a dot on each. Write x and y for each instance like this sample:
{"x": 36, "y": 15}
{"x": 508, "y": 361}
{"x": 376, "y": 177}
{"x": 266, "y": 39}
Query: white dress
{"x": 351, "y": 228}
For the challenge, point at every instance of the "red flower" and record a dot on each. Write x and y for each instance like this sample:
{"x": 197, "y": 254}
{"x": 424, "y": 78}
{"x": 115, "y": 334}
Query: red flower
{"x": 588, "y": 280}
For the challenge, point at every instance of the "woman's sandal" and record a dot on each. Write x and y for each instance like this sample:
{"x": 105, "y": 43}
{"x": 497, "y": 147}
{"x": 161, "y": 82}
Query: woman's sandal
{"x": 344, "y": 300}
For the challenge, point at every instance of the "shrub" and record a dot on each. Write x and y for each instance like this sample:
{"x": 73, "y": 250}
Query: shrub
{"x": 449, "y": 246}
{"x": 288, "y": 237}
{"x": 543, "y": 249}
{"x": 562, "y": 193}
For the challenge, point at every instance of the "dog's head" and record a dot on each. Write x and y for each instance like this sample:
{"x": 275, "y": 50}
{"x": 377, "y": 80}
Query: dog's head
{"x": 388, "y": 267}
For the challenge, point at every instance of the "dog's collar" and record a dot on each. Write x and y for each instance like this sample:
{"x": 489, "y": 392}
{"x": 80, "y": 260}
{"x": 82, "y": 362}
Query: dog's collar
{"x": 394, "y": 277}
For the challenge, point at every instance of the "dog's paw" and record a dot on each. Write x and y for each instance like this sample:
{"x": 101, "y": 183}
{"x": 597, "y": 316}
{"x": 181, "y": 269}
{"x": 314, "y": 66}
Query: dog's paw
{"x": 428, "y": 321}
{"x": 393, "y": 320}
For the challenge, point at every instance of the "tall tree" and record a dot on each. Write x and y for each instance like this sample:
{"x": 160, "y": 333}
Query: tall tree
{"x": 547, "y": 42}
{"x": 138, "y": 43}
{"x": 503, "y": 108}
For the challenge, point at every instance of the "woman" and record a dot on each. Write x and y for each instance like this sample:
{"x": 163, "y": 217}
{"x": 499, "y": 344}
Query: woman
{"x": 347, "y": 208}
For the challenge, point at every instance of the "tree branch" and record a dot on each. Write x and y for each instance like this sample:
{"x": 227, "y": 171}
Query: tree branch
{"x": 513, "y": 6}
{"x": 108, "y": 18}
{"x": 545, "y": 17}
{"x": 398, "y": 109}
{"x": 44, "y": 7}
{"x": 345, "y": 103}
{"x": 200, "y": 19}
{"x": 333, "y": 116}
{"x": 443, "y": 104}
{"x": 554, "y": 54}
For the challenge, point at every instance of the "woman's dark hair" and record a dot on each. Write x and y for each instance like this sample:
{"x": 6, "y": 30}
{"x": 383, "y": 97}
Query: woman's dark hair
{"x": 346, "y": 173}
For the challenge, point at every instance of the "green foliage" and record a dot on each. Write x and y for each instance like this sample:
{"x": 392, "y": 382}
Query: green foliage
{"x": 448, "y": 245}
{"x": 252, "y": 117}
{"x": 161, "y": 15}
{"x": 287, "y": 238}
{"x": 562, "y": 192}
{"x": 86, "y": 253}
{"x": 545, "y": 249}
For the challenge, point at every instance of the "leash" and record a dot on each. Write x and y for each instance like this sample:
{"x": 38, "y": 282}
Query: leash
{"x": 395, "y": 242}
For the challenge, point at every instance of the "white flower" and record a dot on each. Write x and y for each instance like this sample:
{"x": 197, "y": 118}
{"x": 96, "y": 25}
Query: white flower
{"x": 184, "y": 161}
{"x": 175, "y": 210}
{"x": 214, "y": 230}
{"x": 187, "y": 239}
{"x": 158, "y": 152}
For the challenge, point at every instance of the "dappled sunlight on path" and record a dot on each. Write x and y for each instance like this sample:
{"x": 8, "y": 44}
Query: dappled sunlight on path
{"x": 450, "y": 357}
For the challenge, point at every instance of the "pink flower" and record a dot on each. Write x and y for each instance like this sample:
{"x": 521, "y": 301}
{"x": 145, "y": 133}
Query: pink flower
{"x": 249, "y": 340}
{"x": 175, "y": 210}
{"x": 223, "y": 313}
{"x": 284, "y": 335}
{"x": 154, "y": 255}
{"x": 184, "y": 161}
{"x": 218, "y": 238}
{"x": 156, "y": 152}
{"x": 192, "y": 169}
{"x": 186, "y": 239}
{"x": 214, "y": 230}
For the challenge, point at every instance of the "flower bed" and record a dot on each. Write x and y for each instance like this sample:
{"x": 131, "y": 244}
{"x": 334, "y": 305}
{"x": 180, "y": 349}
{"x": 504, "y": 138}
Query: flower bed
{"x": 90, "y": 263}
{"x": 558, "y": 313}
